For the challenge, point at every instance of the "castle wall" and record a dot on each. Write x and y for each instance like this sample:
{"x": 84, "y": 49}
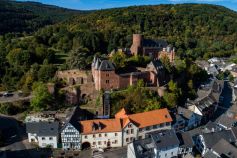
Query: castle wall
{"x": 107, "y": 80}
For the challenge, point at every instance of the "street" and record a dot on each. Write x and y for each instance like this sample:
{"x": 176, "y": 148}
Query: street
{"x": 13, "y": 97}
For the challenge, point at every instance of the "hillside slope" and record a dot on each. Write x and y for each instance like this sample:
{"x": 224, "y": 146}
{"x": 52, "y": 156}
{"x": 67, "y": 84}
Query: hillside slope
{"x": 29, "y": 16}
{"x": 194, "y": 29}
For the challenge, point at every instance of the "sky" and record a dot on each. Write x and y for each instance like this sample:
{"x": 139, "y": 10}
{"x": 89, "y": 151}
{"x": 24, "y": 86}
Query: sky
{"x": 103, "y": 4}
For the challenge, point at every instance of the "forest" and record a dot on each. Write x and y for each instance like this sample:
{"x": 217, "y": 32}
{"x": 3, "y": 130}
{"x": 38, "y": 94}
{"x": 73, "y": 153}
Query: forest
{"x": 195, "y": 30}
{"x": 19, "y": 17}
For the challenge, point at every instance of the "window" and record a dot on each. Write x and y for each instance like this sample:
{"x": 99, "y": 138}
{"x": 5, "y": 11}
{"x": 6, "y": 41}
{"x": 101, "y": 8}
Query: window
{"x": 167, "y": 123}
{"x": 172, "y": 153}
{"x": 85, "y": 137}
{"x": 94, "y": 143}
{"x": 43, "y": 138}
{"x": 93, "y": 136}
{"x": 166, "y": 155}
{"x": 115, "y": 142}
{"x": 107, "y": 75}
{"x": 116, "y": 134}
{"x": 105, "y": 142}
{"x": 105, "y": 135}
{"x": 132, "y": 131}
{"x": 162, "y": 125}
{"x": 50, "y": 138}
{"x": 107, "y": 81}
{"x": 127, "y": 139}
{"x": 127, "y": 131}
{"x": 148, "y": 128}
{"x": 99, "y": 142}
{"x": 140, "y": 129}
{"x": 155, "y": 127}
{"x": 129, "y": 125}
{"x": 131, "y": 139}
{"x": 99, "y": 135}
{"x": 140, "y": 137}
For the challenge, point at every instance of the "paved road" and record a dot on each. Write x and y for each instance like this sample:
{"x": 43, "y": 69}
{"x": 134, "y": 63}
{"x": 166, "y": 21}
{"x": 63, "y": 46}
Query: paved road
{"x": 116, "y": 153}
{"x": 14, "y": 97}
{"x": 227, "y": 101}
{"x": 15, "y": 134}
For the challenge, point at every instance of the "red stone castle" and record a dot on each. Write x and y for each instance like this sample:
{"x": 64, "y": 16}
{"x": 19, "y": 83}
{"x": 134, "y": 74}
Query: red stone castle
{"x": 106, "y": 78}
{"x": 155, "y": 49}
{"x": 105, "y": 75}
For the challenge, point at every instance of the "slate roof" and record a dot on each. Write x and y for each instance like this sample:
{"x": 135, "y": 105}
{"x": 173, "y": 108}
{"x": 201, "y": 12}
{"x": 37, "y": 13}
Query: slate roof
{"x": 106, "y": 65}
{"x": 43, "y": 128}
{"x": 225, "y": 148}
{"x": 144, "y": 148}
{"x": 157, "y": 65}
{"x": 185, "y": 140}
{"x": 185, "y": 112}
{"x": 160, "y": 139}
{"x": 154, "y": 43}
{"x": 228, "y": 120}
{"x": 210, "y": 154}
{"x": 212, "y": 138}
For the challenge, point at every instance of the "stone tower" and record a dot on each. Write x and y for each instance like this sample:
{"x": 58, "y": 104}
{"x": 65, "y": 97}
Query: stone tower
{"x": 136, "y": 47}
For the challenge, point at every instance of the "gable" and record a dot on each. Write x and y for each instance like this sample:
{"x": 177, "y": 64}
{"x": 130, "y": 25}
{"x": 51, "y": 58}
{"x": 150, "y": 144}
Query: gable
{"x": 69, "y": 127}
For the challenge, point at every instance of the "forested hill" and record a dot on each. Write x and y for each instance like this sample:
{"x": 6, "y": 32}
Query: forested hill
{"x": 195, "y": 29}
{"x": 29, "y": 16}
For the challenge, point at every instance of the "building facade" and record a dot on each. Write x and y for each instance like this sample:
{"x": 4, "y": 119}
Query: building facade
{"x": 43, "y": 133}
{"x": 71, "y": 138}
{"x": 106, "y": 78}
{"x": 156, "y": 49}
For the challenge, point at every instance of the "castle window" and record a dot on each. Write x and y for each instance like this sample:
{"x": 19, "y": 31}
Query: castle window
{"x": 107, "y": 81}
{"x": 115, "y": 134}
{"x": 107, "y": 75}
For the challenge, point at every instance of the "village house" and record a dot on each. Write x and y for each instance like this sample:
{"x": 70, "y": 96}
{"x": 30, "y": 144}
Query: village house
{"x": 123, "y": 129}
{"x": 185, "y": 119}
{"x": 43, "y": 133}
{"x": 116, "y": 132}
{"x": 101, "y": 133}
{"x": 186, "y": 144}
{"x": 208, "y": 99}
{"x": 155, "y": 145}
{"x": 205, "y": 142}
{"x": 156, "y": 49}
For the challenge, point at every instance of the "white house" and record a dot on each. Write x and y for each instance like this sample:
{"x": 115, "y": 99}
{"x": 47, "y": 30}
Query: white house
{"x": 101, "y": 133}
{"x": 43, "y": 133}
{"x": 136, "y": 126}
{"x": 186, "y": 119}
{"x": 162, "y": 144}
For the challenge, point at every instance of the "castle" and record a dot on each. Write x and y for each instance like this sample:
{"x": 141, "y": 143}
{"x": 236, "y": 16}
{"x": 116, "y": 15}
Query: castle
{"x": 105, "y": 75}
{"x": 106, "y": 78}
{"x": 155, "y": 49}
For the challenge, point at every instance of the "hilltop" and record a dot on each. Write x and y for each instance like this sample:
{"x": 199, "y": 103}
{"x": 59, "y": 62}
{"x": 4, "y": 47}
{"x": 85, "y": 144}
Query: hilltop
{"x": 30, "y": 16}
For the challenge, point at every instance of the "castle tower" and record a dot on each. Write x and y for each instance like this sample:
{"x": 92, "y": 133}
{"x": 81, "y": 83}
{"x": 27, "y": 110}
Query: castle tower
{"x": 136, "y": 47}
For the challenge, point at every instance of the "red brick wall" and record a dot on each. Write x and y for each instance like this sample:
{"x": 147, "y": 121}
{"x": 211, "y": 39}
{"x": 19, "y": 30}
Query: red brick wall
{"x": 108, "y": 80}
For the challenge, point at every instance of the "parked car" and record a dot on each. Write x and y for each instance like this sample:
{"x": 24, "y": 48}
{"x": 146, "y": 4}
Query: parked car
{"x": 7, "y": 94}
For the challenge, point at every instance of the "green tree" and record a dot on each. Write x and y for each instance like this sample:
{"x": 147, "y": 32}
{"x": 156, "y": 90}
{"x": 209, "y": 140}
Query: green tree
{"x": 119, "y": 59}
{"x": 78, "y": 59}
{"x": 42, "y": 99}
